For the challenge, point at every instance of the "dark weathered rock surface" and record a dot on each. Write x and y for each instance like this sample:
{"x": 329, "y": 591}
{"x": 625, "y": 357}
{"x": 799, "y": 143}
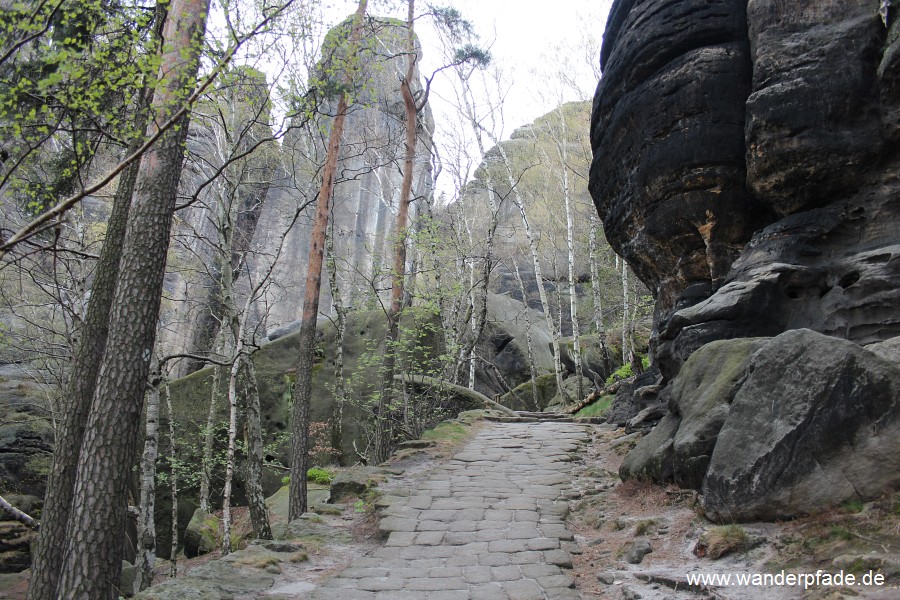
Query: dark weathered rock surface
{"x": 668, "y": 175}
{"x": 26, "y": 434}
{"x": 634, "y": 396}
{"x": 808, "y": 94}
{"x": 15, "y": 542}
{"x": 745, "y": 163}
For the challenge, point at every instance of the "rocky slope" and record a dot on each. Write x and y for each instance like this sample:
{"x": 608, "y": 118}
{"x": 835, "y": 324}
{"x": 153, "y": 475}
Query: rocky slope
{"x": 745, "y": 165}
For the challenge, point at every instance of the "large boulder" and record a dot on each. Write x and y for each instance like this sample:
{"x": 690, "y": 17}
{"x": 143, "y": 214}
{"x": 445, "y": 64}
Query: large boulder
{"x": 504, "y": 346}
{"x": 699, "y": 400}
{"x": 701, "y": 396}
{"x": 815, "y": 422}
{"x": 202, "y": 534}
{"x": 777, "y": 427}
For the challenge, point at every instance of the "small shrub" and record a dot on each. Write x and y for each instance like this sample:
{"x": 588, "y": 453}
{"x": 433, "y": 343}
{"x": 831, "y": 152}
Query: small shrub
{"x": 625, "y": 371}
{"x": 853, "y": 506}
{"x": 320, "y": 476}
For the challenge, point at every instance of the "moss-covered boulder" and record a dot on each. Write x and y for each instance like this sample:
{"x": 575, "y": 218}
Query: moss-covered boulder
{"x": 679, "y": 448}
{"x": 202, "y": 534}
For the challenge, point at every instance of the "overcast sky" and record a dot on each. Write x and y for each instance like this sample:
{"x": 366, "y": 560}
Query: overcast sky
{"x": 530, "y": 40}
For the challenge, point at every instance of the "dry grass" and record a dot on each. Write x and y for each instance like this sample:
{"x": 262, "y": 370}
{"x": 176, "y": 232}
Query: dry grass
{"x": 721, "y": 541}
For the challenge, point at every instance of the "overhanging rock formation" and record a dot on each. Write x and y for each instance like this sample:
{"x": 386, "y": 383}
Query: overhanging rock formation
{"x": 745, "y": 164}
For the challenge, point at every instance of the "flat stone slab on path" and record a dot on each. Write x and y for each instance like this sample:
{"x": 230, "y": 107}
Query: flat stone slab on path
{"x": 488, "y": 525}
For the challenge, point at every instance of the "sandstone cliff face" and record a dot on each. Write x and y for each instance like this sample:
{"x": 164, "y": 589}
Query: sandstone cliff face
{"x": 364, "y": 205}
{"x": 745, "y": 163}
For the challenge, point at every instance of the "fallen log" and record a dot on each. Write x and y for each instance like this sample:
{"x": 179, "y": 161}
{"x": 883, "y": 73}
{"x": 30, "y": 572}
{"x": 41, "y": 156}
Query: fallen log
{"x": 476, "y": 399}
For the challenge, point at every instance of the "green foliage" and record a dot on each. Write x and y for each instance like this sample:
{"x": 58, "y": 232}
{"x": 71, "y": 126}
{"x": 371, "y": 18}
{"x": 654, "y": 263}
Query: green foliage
{"x": 854, "y": 506}
{"x": 319, "y": 475}
{"x": 625, "y": 371}
{"x": 67, "y": 85}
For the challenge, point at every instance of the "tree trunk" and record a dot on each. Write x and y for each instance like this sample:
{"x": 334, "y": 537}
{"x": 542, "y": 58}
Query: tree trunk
{"x": 297, "y": 500}
{"x": 86, "y": 359}
{"x": 479, "y": 314}
{"x": 207, "y": 462}
{"x": 337, "y": 414}
{"x": 570, "y": 246}
{"x": 382, "y": 434}
{"x": 256, "y": 499}
{"x": 230, "y": 451}
{"x": 94, "y": 541}
{"x": 529, "y": 344}
{"x": 536, "y": 264}
{"x": 173, "y": 483}
{"x": 597, "y": 295}
{"x": 146, "y": 530}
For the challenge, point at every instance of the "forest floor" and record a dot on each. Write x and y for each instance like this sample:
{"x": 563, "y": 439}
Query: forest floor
{"x": 624, "y": 540}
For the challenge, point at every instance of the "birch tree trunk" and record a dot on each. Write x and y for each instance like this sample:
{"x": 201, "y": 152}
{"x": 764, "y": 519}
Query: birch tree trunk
{"x": 256, "y": 499}
{"x": 173, "y": 483}
{"x": 229, "y": 455}
{"x": 479, "y": 315}
{"x": 337, "y": 415}
{"x": 570, "y": 246}
{"x": 297, "y": 500}
{"x": 536, "y": 264}
{"x": 529, "y": 344}
{"x": 597, "y": 294}
{"x": 146, "y": 529}
{"x": 209, "y": 438}
{"x": 94, "y": 541}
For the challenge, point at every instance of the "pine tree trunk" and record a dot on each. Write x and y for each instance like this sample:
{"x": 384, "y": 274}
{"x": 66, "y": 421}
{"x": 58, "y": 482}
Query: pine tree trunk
{"x": 383, "y": 435}
{"x": 297, "y": 495}
{"x": 94, "y": 541}
{"x": 86, "y": 359}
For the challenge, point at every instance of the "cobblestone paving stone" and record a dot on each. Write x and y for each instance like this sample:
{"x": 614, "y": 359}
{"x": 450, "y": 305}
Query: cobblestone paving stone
{"x": 487, "y": 525}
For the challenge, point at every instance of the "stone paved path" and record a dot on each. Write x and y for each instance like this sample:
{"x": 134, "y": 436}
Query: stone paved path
{"x": 488, "y": 525}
